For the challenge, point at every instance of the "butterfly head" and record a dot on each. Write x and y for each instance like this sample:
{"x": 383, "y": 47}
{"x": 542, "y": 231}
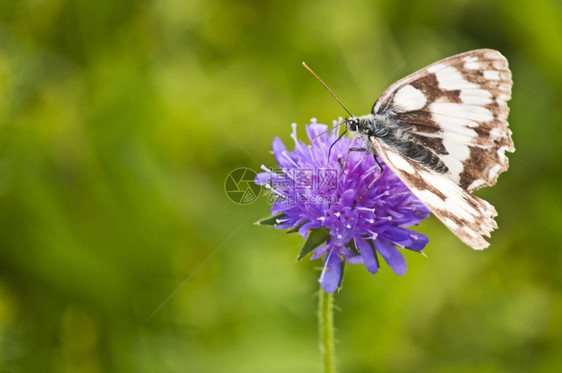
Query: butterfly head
{"x": 352, "y": 124}
{"x": 367, "y": 125}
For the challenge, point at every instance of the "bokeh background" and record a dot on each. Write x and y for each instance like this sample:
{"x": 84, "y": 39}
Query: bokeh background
{"x": 120, "y": 251}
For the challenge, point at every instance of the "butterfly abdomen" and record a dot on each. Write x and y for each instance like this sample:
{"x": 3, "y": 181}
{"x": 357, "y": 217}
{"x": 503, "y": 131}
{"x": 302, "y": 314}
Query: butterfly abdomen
{"x": 422, "y": 155}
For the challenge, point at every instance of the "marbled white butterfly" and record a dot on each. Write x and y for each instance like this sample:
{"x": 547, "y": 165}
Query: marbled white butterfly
{"x": 443, "y": 131}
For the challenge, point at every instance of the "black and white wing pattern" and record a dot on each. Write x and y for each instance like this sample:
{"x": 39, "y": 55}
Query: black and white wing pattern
{"x": 443, "y": 131}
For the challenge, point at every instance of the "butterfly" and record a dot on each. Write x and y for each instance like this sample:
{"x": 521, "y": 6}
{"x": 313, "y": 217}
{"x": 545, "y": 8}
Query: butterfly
{"x": 443, "y": 131}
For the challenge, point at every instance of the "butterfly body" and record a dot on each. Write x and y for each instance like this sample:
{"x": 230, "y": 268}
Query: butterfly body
{"x": 396, "y": 136}
{"x": 443, "y": 131}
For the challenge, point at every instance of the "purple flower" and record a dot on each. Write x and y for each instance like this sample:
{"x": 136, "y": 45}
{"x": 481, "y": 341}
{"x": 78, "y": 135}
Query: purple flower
{"x": 327, "y": 197}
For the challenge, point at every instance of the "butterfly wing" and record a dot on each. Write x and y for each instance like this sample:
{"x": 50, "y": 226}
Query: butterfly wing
{"x": 467, "y": 216}
{"x": 457, "y": 107}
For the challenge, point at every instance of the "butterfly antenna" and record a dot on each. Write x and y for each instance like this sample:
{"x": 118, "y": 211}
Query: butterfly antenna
{"x": 325, "y": 132}
{"x": 328, "y": 88}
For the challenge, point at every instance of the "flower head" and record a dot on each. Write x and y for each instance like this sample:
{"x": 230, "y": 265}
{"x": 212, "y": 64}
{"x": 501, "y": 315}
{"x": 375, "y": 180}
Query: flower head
{"x": 329, "y": 198}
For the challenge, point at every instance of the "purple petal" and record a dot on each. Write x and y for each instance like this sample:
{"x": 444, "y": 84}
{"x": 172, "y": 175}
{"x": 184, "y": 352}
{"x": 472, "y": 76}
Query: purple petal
{"x": 417, "y": 240}
{"x": 398, "y": 236}
{"x": 348, "y": 197}
{"x": 278, "y": 146}
{"x": 418, "y": 207}
{"x": 350, "y": 256}
{"x": 314, "y": 129}
{"x": 330, "y": 277}
{"x": 284, "y": 158}
{"x": 319, "y": 251}
{"x": 367, "y": 254}
{"x": 262, "y": 178}
{"x": 303, "y": 231}
{"x": 392, "y": 256}
{"x": 355, "y": 259}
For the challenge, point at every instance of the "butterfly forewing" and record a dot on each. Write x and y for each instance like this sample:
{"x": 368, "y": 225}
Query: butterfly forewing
{"x": 456, "y": 109}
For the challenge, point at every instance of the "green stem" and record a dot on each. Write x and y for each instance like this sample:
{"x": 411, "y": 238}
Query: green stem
{"x": 326, "y": 326}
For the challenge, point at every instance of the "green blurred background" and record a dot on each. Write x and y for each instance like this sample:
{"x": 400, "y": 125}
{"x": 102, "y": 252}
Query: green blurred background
{"x": 120, "y": 252}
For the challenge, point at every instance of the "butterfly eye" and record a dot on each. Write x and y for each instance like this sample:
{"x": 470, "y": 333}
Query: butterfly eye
{"x": 351, "y": 125}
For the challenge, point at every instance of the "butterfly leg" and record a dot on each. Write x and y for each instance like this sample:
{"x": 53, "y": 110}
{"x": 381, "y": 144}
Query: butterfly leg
{"x": 380, "y": 167}
{"x": 347, "y": 156}
{"x": 371, "y": 183}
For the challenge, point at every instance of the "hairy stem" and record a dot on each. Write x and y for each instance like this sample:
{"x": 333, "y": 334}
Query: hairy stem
{"x": 326, "y": 328}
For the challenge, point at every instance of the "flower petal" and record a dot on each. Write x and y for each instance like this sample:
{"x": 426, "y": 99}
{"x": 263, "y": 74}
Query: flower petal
{"x": 330, "y": 277}
{"x": 350, "y": 256}
{"x": 319, "y": 251}
{"x": 417, "y": 240}
{"x": 314, "y": 129}
{"x": 284, "y": 159}
{"x": 278, "y": 146}
{"x": 304, "y": 229}
{"x": 348, "y": 197}
{"x": 391, "y": 255}
{"x": 368, "y": 254}
{"x": 262, "y": 178}
{"x": 396, "y": 235}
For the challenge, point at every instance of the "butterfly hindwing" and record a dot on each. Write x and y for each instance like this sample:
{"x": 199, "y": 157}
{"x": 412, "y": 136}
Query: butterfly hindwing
{"x": 467, "y": 216}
